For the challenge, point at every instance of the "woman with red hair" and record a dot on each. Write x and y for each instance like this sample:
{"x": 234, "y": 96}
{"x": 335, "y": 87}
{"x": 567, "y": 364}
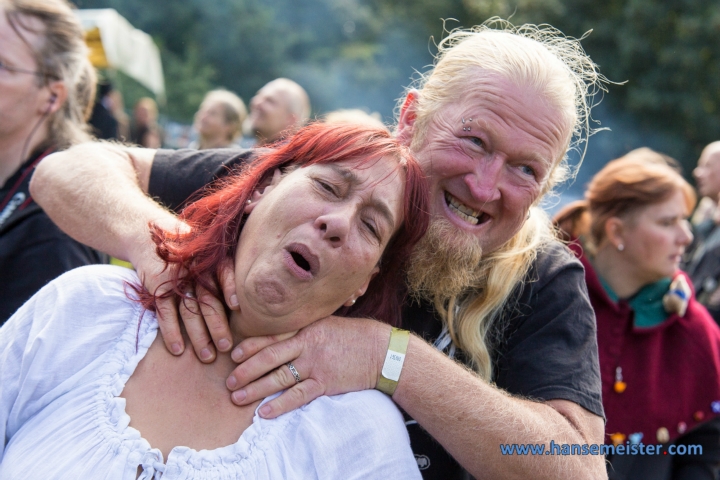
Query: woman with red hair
{"x": 659, "y": 348}
{"x": 319, "y": 225}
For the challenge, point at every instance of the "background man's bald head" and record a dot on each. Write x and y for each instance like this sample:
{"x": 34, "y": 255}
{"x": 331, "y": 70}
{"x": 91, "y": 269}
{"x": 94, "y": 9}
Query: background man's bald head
{"x": 707, "y": 173}
{"x": 278, "y": 106}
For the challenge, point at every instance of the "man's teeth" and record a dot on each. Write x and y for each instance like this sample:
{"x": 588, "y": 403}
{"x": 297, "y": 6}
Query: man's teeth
{"x": 467, "y": 214}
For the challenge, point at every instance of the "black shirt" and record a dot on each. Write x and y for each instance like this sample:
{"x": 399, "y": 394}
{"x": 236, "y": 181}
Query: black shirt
{"x": 545, "y": 341}
{"x": 33, "y": 250}
{"x": 545, "y": 346}
{"x": 702, "y": 263}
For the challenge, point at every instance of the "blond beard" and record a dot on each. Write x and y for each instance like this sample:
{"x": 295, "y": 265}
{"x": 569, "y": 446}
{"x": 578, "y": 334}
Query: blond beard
{"x": 444, "y": 263}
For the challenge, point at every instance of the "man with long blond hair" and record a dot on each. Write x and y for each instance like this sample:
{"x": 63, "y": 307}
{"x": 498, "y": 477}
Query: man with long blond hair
{"x": 491, "y": 125}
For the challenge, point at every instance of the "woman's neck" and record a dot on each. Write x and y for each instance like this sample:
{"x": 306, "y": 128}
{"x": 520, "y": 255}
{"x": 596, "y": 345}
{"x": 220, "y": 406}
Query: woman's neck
{"x": 620, "y": 275}
{"x": 179, "y": 401}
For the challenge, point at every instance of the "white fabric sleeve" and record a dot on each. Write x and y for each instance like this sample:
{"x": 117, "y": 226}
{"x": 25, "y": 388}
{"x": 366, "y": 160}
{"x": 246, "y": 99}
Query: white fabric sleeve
{"x": 54, "y": 336}
{"x": 13, "y": 342}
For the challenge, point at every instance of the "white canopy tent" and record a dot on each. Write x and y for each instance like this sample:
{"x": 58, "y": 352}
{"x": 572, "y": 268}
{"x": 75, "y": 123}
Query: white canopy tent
{"x": 114, "y": 43}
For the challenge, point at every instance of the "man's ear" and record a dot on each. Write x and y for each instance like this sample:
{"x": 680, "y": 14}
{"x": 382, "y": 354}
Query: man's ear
{"x": 408, "y": 115}
{"x": 264, "y": 187}
{"x": 361, "y": 291}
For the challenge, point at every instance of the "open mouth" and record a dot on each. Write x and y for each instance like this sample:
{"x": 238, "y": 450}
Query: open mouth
{"x": 473, "y": 217}
{"x": 302, "y": 262}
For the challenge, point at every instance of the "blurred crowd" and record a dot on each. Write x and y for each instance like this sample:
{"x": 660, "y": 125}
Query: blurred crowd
{"x": 222, "y": 121}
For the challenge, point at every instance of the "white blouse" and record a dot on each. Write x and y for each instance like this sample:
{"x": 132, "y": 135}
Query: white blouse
{"x": 66, "y": 355}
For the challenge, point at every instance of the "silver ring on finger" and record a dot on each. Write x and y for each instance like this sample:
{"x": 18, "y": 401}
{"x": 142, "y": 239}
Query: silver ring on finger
{"x": 294, "y": 372}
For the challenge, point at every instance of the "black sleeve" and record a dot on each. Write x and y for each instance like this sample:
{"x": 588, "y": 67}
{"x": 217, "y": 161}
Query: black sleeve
{"x": 549, "y": 348}
{"x": 705, "y": 466}
{"x": 32, "y": 254}
{"x": 177, "y": 174}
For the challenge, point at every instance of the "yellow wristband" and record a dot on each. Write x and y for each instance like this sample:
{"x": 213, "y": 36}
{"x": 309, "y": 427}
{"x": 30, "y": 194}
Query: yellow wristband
{"x": 388, "y": 380}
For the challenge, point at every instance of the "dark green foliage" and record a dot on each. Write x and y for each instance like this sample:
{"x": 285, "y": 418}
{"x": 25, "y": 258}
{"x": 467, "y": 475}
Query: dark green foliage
{"x": 361, "y": 53}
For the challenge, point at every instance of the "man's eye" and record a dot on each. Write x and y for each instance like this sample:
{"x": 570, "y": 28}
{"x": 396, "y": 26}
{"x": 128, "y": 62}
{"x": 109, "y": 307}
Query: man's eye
{"x": 528, "y": 170}
{"x": 477, "y": 141}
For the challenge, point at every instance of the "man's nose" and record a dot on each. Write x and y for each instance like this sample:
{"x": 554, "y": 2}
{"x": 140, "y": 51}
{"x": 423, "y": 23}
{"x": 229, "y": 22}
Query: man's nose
{"x": 484, "y": 181}
{"x": 335, "y": 226}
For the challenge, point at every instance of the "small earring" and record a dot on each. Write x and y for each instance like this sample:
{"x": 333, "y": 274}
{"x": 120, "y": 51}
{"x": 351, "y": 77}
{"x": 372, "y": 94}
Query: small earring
{"x": 249, "y": 201}
{"x": 353, "y": 302}
{"x": 621, "y": 247}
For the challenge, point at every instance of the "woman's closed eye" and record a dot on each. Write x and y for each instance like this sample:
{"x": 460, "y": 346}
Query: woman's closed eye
{"x": 327, "y": 186}
{"x": 372, "y": 228}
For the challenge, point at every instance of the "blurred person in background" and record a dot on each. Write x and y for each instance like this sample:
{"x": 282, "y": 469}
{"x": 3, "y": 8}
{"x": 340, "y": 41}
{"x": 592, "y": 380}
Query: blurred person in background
{"x": 659, "y": 348}
{"x": 280, "y": 106}
{"x": 702, "y": 262}
{"x": 103, "y": 122}
{"x": 354, "y": 116}
{"x": 144, "y": 130}
{"x": 219, "y": 120}
{"x": 47, "y": 88}
{"x": 116, "y": 105}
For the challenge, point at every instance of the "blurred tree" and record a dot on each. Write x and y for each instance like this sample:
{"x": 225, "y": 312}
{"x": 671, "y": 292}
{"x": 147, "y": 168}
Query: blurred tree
{"x": 361, "y": 53}
{"x": 666, "y": 53}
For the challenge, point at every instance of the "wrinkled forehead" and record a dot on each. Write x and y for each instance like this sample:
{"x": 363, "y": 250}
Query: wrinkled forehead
{"x": 379, "y": 180}
{"x": 370, "y": 172}
{"x": 520, "y": 109}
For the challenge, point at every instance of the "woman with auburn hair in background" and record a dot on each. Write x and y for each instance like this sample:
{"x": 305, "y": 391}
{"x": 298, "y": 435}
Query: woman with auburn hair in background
{"x": 659, "y": 348}
{"x": 322, "y": 224}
